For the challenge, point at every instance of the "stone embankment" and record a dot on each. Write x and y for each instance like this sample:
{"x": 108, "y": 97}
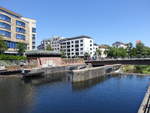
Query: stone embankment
{"x": 145, "y": 106}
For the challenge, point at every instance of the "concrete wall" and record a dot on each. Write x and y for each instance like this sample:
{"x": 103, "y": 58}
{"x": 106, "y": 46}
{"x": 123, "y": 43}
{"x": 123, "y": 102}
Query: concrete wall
{"x": 54, "y": 61}
{"x": 90, "y": 73}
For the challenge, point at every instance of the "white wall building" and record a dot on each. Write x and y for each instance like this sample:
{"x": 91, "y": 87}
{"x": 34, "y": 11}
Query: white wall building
{"x": 119, "y": 45}
{"x": 77, "y": 46}
{"x": 95, "y": 47}
{"x": 32, "y": 33}
{"x": 103, "y": 48}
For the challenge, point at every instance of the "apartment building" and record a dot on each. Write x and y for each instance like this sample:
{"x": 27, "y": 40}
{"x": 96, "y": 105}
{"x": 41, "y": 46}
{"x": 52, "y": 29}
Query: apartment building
{"x": 32, "y": 33}
{"x": 16, "y": 29}
{"x": 54, "y": 42}
{"x": 77, "y": 46}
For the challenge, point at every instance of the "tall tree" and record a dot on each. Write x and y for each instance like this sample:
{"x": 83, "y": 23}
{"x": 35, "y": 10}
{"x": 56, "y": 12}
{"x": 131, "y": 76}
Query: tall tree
{"x": 139, "y": 50}
{"x": 21, "y": 47}
{"x": 3, "y": 45}
{"x": 129, "y": 48}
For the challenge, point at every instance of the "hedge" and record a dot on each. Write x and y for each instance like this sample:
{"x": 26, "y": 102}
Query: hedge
{"x": 12, "y": 57}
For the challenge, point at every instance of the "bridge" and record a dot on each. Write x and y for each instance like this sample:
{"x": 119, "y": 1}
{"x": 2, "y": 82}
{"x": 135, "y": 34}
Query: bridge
{"x": 126, "y": 61}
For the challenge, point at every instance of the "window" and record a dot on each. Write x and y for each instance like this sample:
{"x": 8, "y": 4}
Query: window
{"x": 81, "y": 48}
{"x": 71, "y": 41}
{"x": 77, "y": 49}
{"x": 81, "y": 53}
{"x": 90, "y": 44}
{"x": 5, "y": 18}
{"x": 72, "y": 49}
{"x": 76, "y": 45}
{"x": 81, "y": 44}
{"x": 81, "y": 40}
{"x": 90, "y": 48}
{"x": 72, "y": 45}
{"x": 20, "y": 36}
{"x": 34, "y": 30}
{"x": 33, "y": 36}
{"x": 5, "y": 33}
{"x": 20, "y": 30}
{"x": 19, "y": 23}
{"x": 11, "y": 44}
{"x": 5, "y": 26}
{"x": 77, "y": 41}
{"x": 77, "y": 53}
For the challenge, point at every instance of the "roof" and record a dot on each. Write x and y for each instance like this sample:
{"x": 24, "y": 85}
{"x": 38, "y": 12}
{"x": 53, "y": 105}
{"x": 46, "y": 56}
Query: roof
{"x": 42, "y": 53}
{"x": 104, "y": 46}
{"x": 118, "y": 43}
{"x": 9, "y": 12}
{"x": 78, "y": 37}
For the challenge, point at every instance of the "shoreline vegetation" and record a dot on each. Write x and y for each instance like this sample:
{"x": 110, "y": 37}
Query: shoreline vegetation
{"x": 137, "y": 69}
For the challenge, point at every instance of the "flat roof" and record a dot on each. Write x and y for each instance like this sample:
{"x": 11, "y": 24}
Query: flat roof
{"x": 11, "y": 12}
{"x": 78, "y": 37}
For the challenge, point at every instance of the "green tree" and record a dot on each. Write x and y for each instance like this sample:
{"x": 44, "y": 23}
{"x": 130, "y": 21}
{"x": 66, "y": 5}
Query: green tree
{"x": 63, "y": 54}
{"x": 129, "y": 48}
{"x": 86, "y": 55}
{"x": 114, "y": 52}
{"x": 3, "y": 45}
{"x": 98, "y": 52}
{"x": 133, "y": 52}
{"x": 140, "y": 50}
{"x": 49, "y": 47}
{"x": 21, "y": 47}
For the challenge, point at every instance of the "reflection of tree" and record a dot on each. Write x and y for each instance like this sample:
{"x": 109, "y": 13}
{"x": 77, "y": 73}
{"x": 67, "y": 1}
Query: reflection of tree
{"x": 15, "y": 97}
{"x": 87, "y": 84}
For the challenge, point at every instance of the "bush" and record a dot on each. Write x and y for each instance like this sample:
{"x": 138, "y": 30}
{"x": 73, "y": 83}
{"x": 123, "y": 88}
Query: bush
{"x": 11, "y": 57}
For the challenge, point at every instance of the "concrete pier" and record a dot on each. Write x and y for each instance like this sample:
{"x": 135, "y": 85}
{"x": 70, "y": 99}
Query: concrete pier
{"x": 145, "y": 106}
{"x": 93, "y": 72}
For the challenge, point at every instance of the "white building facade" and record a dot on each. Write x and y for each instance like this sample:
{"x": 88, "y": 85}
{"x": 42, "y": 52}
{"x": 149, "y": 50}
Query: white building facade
{"x": 32, "y": 33}
{"x": 119, "y": 45}
{"x": 77, "y": 46}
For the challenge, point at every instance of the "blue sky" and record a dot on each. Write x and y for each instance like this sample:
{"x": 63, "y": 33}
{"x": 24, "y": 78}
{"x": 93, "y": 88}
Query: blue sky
{"x": 106, "y": 21}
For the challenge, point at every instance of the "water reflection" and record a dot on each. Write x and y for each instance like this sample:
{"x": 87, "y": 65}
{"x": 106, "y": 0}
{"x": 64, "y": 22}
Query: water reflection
{"x": 15, "y": 97}
{"x": 57, "y": 77}
{"x": 78, "y": 86}
{"x": 121, "y": 94}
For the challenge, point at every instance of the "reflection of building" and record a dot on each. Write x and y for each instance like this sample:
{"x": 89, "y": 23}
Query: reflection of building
{"x": 16, "y": 29}
{"x": 119, "y": 45}
{"x": 77, "y": 46}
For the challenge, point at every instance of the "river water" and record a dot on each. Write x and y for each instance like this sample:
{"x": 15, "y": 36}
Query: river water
{"x": 112, "y": 94}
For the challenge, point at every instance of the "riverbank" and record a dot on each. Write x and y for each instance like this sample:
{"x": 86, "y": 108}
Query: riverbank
{"x": 136, "y": 69}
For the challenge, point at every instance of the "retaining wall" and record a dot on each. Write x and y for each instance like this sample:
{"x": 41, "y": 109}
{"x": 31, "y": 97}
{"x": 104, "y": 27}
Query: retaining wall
{"x": 94, "y": 72}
